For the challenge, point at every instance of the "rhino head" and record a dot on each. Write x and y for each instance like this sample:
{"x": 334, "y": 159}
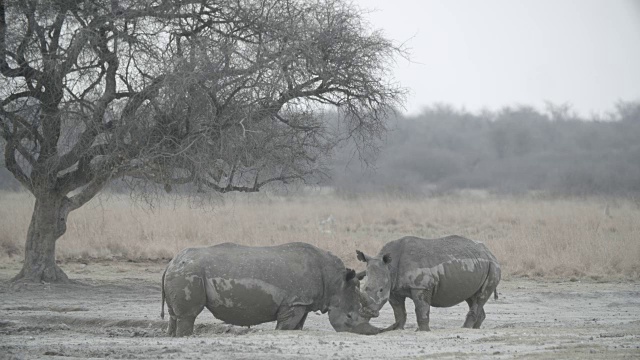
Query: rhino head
{"x": 378, "y": 284}
{"x": 345, "y": 309}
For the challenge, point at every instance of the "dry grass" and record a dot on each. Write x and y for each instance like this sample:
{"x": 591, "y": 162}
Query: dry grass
{"x": 530, "y": 236}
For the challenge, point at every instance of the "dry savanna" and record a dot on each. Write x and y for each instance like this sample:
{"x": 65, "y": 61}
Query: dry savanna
{"x": 570, "y": 276}
{"x": 531, "y": 236}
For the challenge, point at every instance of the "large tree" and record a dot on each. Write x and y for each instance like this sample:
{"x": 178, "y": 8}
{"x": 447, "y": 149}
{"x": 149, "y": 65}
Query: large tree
{"x": 225, "y": 95}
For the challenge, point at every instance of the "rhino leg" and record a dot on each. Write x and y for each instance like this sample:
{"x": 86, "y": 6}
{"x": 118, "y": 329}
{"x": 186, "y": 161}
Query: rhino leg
{"x": 399, "y": 312}
{"x": 291, "y": 317}
{"x": 479, "y": 311}
{"x": 422, "y": 300}
{"x": 301, "y": 323}
{"x": 476, "y": 314}
{"x": 473, "y": 314}
{"x": 184, "y": 325}
{"x": 481, "y": 317}
{"x": 186, "y": 299}
{"x": 171, "y": 329}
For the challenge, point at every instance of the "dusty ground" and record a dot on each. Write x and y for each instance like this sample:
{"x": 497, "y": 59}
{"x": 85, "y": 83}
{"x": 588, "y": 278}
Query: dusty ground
{"x": 114, "y": 313}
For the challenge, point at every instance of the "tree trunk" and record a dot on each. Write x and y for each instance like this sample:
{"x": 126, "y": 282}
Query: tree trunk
{"x": 48, "y": 223}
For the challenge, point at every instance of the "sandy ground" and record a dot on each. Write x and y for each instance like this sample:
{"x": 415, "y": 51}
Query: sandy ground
{"x": 114, "y": 313}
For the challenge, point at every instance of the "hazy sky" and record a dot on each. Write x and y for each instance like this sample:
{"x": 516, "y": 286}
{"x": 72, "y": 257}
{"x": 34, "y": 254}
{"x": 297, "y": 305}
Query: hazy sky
{"x": 493, "y": 53}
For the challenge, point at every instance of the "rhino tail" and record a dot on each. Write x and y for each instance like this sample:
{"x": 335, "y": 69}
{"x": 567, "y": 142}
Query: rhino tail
{"x": 162, "y": 307}
{"x": 495, "y": 294}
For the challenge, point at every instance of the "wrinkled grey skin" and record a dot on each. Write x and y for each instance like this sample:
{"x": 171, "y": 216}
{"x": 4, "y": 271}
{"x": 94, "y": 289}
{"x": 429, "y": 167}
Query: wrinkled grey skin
{"x": 246, "y": 286}
{"x": 432, "y": 272}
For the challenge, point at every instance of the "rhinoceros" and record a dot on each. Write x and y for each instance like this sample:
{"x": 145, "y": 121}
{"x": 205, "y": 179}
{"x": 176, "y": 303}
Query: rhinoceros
{"x": 432, "y": 272}
{"x": 246, "y": 286}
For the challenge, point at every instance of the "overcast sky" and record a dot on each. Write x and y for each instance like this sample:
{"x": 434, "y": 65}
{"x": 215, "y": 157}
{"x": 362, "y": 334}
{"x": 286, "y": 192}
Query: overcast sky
{"x": 488, "y": 54}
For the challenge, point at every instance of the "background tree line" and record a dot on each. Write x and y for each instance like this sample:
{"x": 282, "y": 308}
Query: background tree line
{"x": 512, "y": 150}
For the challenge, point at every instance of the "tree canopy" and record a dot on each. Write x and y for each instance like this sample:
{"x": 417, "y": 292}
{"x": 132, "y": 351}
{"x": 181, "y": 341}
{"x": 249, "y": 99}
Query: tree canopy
{"x": 221, "y": 95}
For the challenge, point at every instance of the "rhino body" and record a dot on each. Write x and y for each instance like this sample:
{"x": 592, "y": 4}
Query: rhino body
{"x": 247, "y": 286}
{"x": 432, "y": 272}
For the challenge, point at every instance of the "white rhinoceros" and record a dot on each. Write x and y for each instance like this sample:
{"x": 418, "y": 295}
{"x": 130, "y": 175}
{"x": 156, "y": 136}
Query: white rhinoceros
{"x": 432, "y": 272}
{"x": 246, "y": 286}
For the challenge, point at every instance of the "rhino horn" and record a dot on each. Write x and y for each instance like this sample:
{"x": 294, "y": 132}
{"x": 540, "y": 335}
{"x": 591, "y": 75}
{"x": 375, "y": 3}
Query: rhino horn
{"x": 363, "y": 299}
{"x": 361, "y": 256}
{"x": 367, "y": 329}
{"x": 365, "y": 310}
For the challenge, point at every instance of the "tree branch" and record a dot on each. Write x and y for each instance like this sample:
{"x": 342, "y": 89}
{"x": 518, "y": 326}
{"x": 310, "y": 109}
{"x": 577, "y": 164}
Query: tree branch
{"x": 16, "y": 96}
{"x": 12, "y": 164}
{"x": 27, "y": 129}
{"x": 89, "y": 192}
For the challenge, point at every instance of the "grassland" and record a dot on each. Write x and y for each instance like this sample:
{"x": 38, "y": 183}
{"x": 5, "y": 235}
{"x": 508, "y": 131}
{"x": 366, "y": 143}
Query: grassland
{"x": 532, "y": 236}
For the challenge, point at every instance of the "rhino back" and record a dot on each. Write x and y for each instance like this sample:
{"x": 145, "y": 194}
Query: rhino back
{"x": 293, "y": 267}
{"x": 454, "y": 267}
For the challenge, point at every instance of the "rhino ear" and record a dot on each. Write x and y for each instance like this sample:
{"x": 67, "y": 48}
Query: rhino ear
{"x": 361, "y": 256}
{"x": 386, "y": 258}
{"x": 351, "y": 274}
{"x": 361, "y": 275}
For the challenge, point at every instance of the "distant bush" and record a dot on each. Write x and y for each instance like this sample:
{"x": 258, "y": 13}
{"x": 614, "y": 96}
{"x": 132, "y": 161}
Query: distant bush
{"x": 512, "y": 150}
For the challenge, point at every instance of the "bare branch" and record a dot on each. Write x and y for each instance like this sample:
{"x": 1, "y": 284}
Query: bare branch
{"x": 219, "y": 94}
{"x": 16, "y": 96}
{"x": 23, "y": 69}
{"x": 89, "y": 191}
{"x": 11, "y": 162}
